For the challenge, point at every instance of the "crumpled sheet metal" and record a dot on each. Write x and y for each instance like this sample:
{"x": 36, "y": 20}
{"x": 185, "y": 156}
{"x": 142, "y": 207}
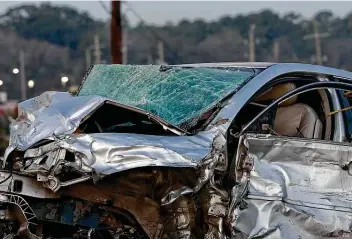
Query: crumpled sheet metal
{"x": 52, "y": 115}
{"x": 215, "y": 160}
{"x": 56, "y": 116}
{"x": 105, "y": 154}
{"x": 113, "y": 152}
{"x": 297, "y": 189}
{"x": 274, "y": 219}
{"x": 47, "y": 116}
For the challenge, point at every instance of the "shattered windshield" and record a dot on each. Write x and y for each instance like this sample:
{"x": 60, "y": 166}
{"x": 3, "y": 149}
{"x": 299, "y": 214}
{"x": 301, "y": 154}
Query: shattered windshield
{"x": 175, "y": 94}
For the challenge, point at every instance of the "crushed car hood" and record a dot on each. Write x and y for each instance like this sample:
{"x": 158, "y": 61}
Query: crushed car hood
{"x": 49, "y": 116}
{"x": 55, "y": 116}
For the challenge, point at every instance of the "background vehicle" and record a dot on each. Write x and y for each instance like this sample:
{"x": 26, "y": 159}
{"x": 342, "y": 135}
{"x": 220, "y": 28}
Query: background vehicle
{"x": 205, "y": 150}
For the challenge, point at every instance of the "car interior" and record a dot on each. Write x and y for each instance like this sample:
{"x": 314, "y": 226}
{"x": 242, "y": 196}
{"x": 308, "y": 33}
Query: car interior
{"x": 101, "y": 121}
{"x": 305, "y": 115}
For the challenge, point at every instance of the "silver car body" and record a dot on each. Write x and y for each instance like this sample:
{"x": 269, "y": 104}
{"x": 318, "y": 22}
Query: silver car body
{"x": 300, "y": 193}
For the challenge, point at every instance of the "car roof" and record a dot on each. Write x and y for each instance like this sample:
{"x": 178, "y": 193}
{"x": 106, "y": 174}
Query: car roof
{"x": 276, "y": 69}
{"x": 279, "y": 68}
{"x": 261, "y": 65}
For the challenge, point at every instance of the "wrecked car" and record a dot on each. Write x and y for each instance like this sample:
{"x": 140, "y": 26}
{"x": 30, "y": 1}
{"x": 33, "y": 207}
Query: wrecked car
{"x": 225, "y": 150}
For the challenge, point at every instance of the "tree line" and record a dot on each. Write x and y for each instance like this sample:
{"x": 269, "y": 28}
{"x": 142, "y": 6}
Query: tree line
{"x": 55, "y": 40}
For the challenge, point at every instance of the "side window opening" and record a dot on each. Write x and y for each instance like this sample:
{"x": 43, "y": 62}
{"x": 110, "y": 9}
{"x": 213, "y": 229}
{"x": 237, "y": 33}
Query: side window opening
{"x": 299, "y": 116}
{"x": 318, "y": 101}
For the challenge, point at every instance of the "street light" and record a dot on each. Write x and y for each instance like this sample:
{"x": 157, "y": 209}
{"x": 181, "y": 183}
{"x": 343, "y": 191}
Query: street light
{"x": 15, "y": 71}
{"x": 64, "y": 79}
{"x": 1, "y": 82}
{"x": 30, "y": 84}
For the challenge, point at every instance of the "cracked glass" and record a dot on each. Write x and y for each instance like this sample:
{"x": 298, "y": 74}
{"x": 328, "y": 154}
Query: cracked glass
{"x": 175, "y": 94}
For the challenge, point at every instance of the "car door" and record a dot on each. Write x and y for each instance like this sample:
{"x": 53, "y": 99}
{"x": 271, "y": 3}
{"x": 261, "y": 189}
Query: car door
{"x": 296, "y": 188}
{"x": 289, "y": 187}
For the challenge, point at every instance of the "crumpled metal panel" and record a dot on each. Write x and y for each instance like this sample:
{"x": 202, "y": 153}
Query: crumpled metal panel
{"x": 114, "y": 152}
{"x": 52, "y": 115}
{"x": 48, "y": 116}
{"x": 297, "y": 189}
{"x": 275, "y": 219}
{"x": 56, "y": 116}
{"x": 215, "y": 160}
{"x": 105, "y": 154}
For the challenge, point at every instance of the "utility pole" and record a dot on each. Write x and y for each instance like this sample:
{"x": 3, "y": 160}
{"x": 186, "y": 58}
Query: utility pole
{"x": 252, "y": 43}
{"x": 161, "y": 52}
{"x": 23, "y": 76}
{"x": 97, "y": 51}
{"x": 317, "y": 43}
{"x": 96, "y": 47}
{"x": 149, "y": 59}
{"x": 276, "y": 50}
{"x": 88, "y": 58}
{"x": 125, "y": 47}
{"x": 116, "y": 32}
{"x": 317, "y": 37}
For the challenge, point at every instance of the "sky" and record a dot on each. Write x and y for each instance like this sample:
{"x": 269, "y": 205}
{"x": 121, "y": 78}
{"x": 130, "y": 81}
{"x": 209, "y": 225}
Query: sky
{"x": 160, "y": 12}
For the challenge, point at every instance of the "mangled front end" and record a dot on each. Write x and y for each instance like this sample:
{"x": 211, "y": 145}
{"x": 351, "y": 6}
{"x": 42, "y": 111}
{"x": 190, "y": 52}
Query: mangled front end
{"x": 109, "y": 183}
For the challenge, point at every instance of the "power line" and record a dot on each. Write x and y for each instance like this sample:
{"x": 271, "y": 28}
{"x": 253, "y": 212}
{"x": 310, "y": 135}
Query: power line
{"x": 105, "y": 8}
{"x": 130, "y": 8}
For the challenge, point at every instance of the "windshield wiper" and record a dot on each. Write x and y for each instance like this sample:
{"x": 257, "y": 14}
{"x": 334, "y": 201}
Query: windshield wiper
{"x": 164, "y": 68}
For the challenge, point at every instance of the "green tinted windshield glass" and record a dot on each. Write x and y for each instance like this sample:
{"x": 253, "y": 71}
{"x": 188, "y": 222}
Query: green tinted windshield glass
{"x": 175, "y": 94}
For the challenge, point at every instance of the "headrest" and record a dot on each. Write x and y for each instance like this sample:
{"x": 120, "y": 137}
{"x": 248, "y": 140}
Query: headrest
{"x": 276, "y": 91}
